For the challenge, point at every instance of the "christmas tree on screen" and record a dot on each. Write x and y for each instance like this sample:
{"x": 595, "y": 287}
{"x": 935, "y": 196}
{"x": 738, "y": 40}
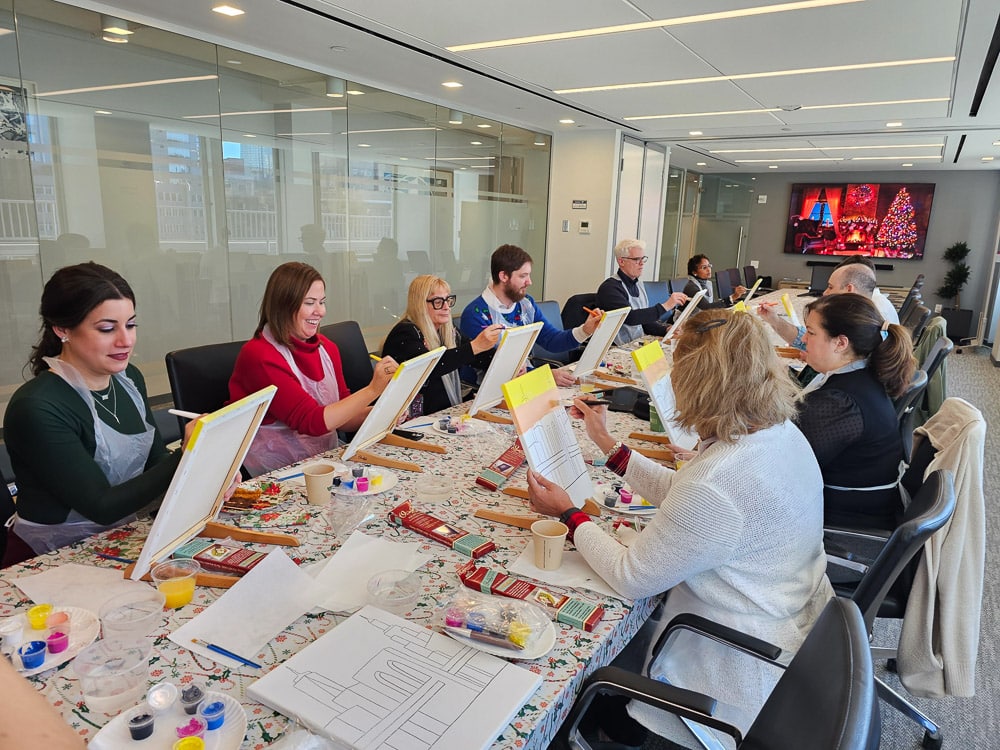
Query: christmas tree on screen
{"x": 898, "y": 232}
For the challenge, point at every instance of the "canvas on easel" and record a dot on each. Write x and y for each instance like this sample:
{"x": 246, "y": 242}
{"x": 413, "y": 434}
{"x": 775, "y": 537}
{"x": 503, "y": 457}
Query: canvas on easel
{"x": 546, "y": 433}
{"x": 654, "y": 370}
{"x": 600, "y": 341}
{"x": 406, "y": 382}
{"x": 511, "y": 353}
{"x": 212, "y": 456}
{"x": 691, "y": 308}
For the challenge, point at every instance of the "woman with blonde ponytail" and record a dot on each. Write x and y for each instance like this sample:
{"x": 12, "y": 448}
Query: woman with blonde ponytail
{"x": 846, "y": 412}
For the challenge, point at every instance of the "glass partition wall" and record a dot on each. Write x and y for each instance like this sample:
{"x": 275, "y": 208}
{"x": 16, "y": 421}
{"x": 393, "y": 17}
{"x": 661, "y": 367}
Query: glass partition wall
{"x": 194, "y": 170}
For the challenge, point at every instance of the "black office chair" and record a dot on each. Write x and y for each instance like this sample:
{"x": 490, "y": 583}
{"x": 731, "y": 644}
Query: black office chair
{"x": 679, "y": 284}
{"x": 916, "y": 320}
{"x": 573, "y": 313}
{"x": 355, "y": 359}
{"x": 912, "y": 298}
{"x": 539, "y": 354}
{"x": 824, "y": 700}
{"x": 881, "y": 588}
{"x": 750, "y": 274}
{"x": 199, "y": 376}
{"x": 905, "y": 406}
{"x": 735, "y": 277}
{"x": 918, "y": 283}
{"x": 723, "y": 284}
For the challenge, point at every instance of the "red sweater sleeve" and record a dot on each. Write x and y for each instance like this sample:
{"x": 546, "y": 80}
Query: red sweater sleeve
{"x": 259, "y": 364}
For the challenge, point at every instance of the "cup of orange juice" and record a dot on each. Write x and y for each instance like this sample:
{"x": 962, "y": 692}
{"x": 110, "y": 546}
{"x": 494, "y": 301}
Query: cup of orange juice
{"x": 175, "y": 579}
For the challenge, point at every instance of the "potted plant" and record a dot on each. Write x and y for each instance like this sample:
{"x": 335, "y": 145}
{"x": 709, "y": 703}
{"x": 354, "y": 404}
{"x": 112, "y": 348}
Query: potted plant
{"x": 959, "y": 320}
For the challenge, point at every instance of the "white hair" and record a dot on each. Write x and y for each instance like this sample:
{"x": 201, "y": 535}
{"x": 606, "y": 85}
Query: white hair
{"x": 622, "y": 248}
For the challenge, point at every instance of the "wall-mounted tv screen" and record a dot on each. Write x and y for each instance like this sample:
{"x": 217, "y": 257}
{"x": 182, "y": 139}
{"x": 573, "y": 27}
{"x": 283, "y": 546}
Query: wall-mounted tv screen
{"x": 880, "y": 220}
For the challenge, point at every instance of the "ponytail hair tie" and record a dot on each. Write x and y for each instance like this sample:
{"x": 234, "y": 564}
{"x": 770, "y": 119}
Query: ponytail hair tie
{"x": 885, "y": 330}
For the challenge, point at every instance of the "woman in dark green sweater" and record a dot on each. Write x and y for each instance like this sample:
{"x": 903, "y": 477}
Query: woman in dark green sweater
{"x": 81, "y": 436}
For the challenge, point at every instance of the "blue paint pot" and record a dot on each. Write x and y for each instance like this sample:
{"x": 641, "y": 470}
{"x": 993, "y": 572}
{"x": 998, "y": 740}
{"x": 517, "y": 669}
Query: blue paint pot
{"x": 32, "y": 654}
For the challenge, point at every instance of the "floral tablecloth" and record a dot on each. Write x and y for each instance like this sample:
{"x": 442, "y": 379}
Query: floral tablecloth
{"x": 576, "y": 653}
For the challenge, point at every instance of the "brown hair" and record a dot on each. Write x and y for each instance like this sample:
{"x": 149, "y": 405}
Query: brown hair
{"x": 856, "y": 317}
{"x": 507, "y": 258}
{"x": 421, "y": 288}
{"x": 727, "y": 379}
{"x": 68, "y": 297}
{"x": 286, "y": 288}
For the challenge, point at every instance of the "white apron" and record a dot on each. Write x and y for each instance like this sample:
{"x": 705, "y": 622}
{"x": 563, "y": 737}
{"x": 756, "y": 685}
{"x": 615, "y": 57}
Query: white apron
{"x": 631, "y": 333}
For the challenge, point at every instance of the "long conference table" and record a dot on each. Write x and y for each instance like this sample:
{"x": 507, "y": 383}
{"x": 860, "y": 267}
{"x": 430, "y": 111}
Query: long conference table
{"x": 575, "y": 655}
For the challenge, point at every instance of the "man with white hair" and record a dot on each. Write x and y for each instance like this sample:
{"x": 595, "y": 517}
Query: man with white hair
{"x": 625, "y": 289}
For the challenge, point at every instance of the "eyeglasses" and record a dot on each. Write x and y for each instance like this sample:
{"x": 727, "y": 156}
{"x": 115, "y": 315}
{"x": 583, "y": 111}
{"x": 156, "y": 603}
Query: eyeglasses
{"x": 438, "y": 302}
{"x": 704, "y": 265}
{"x": 642, "y": 259}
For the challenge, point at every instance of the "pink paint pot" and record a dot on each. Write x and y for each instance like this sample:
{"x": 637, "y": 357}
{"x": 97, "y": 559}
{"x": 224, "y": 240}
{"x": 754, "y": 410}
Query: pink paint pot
{"x": 57, "y": 642}
{"x": 194, "y": 727}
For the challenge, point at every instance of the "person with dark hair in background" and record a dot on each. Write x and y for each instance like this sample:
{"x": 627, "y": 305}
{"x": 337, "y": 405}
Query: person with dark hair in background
{"x": 625, "y": 289}
{"x": 700, "y": 277}
{"x": 288, "y": 351}
{"x": 82, "y": 440}
{"x": 427, "y": 325}
{"x": 505, "y": 302}
{"x": 846, "y": 412}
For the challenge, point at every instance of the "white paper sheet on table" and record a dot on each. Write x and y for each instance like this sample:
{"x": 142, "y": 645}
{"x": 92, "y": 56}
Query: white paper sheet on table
{"x": 574, "y": 572}
{"x": 342, "y": 583}
{"x": 273, "y": 595}
{"x": 72, "y": 585}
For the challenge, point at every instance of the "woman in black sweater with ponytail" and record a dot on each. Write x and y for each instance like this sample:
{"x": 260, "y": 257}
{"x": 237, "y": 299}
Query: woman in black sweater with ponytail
{"x": 847, "y": 413}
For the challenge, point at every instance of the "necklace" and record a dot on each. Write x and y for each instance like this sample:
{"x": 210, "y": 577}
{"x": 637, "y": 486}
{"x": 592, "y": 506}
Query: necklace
{"x": 113, "y": 394}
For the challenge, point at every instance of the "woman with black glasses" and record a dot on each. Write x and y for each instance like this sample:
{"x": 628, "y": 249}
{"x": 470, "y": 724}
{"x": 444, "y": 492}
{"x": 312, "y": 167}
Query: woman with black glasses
{"x": 427, "y": 325}
{"x": 700, "y": 277}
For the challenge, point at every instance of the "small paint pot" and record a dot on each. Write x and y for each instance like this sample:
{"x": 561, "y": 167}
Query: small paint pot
{"x": 32, "y": 654}
{"x": 57, "y": 642}
{"x": 452, "y": 430}
{"x": 357, "y": 471}
{"x": 443, "y": 423}
{"x": 213, "y": 714}
{"x": 611, "y": 499}
{"x": 376, "y": 480}
{"x": 337, "y": 481}
{"x": 12, "y": 633}
{"x": 162, "y": 696}
{"x": 139, "y": 721}
{"x": 626, "y": 497}
{"x": 348, "y": 484}
{"x": 454, "y": 617}
{"x": 194, "y": 727}
{"x": 58, "y": 621}
{"x": 475, "y": 621}
{"x": 191, "y": 696}
{"x": 38, "y": 616}
{"x": 361, "y": 484}
{"x": 190, "y": 743}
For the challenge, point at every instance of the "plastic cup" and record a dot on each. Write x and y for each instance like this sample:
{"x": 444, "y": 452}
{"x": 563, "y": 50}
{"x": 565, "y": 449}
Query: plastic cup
{"x": 213, "y": 713}
{"x": 38, "y": 616}
{"x": 319, "y": 477}
{"x": 133, "y": 614}
{"x": 12, "y": 633}
{"x": 191, "y": 698}
{"x": 32, "y": 654}
{"x": 58, "y": 640}
{"x": 139, "y": 721}
{"x": 175, "y": 579}
{"x": 113, "y": 674}
{"x": 193, "y": 727}
{"x": 549, "y": 539}
{"x": 162, "y": 697}
{"x": 190, "y": 743}
{"x": 395, "y": 591}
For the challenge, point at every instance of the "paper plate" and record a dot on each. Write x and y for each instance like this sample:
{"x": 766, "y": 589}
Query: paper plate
{"x": 638, "y": 506}
{"x": 85, "y": 629}
{"x": 470, "y": 428}
{"x": 542, "y": 645}
{"x": 389, "y": 480}
{"x": 229, "y": 736}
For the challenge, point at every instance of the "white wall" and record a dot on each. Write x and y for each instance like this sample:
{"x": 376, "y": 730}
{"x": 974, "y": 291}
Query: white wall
{"x": 584, "y": 167}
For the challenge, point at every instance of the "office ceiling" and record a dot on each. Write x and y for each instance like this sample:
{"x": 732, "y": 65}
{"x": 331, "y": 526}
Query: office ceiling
{"x": 783, "y": 85}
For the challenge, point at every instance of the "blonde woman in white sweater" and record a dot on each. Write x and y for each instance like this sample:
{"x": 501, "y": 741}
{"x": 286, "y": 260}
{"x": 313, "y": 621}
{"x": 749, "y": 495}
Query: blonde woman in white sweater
{"x": 738, "y": 537}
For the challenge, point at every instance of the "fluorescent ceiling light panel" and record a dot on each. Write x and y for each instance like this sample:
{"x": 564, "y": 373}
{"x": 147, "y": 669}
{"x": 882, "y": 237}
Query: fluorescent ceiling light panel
{"x": 783, "y": 161}
{"x": 135, "y": 85}
{"x": 765, "y": 110}
{"x": 893, "y": 158}
{"x": 658, "y": 24}
{"x": 384, "y": 130}
{"x": 763, "y": 74}
{"x": 452, "y": 85}
{"x": 263, "y": 112}
{"x": 566, "y": 121}
{"x": 823, "y": 148}
{"x": 457, "y": 158}
{"x": 894, "y": 124}
{"x": 228, "y": 10}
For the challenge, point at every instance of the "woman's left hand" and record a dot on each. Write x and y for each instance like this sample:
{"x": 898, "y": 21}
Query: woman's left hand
{"x": 547, "y": 497}
{"x": 564, "y": 377}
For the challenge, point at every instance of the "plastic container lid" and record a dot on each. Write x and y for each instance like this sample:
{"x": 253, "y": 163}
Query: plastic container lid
{"x": 434, "y": 489}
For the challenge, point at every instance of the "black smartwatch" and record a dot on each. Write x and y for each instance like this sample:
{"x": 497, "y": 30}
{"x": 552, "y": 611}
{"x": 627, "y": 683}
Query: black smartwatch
{"x": 565, "y": 515}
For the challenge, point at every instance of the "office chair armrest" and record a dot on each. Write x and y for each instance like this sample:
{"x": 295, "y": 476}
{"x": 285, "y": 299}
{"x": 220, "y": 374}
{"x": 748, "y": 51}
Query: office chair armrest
{"x": 678, "y": 701}
{"x": 874, "y": 535}
{"x": 553, "y": 363}
{"x": 727, "y": 636}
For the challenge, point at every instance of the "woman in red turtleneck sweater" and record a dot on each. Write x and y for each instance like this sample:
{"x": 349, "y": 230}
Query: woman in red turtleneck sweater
{"x": 288, "y": 351}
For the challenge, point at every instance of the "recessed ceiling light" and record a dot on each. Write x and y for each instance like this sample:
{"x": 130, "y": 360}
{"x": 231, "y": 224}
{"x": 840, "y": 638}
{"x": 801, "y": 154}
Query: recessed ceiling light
{"x": 566, "y": 121}
{"x": 101, "y": 112}
{"x": 475, "y": 143}
{"x": 987, "y": 158}
{"x": 894, "y": 124}
{"x": 539, "y": 140}
{"x": 355, "y": 92}
{"x": 228, "y": 10}
{"x": 235, "y": 62}
{"x": 701, "y": 164}
{"x": 642, "y": 25}
{"x": 463, "y": 168}
{"x": 115, "y": 39}
{"x": 455, "y": 117}
{"x": 996, "y": 143}
{"x": 452, "y": 85}
{"x": 907, "y": 164}
{"x": 404, "y": 158}
{"x": 484, "y": 125}
{"x": 249, "y": 135}
{"x": 364, "y": 145}
{"x": 695, "y": 132}
{"x": 335, "y": 87}
{"x": 773, "y": 166}
{"x": 114, "y": 25}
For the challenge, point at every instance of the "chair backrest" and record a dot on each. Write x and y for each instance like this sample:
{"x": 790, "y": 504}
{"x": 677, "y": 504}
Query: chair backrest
{"x": 916, "y": 320}
{"x": 724, "y": 284}
{"x": 354, "y": 358}
{"x": 678, "y": 284}
{"x": 750, "y": 275}
{"x": 573, "y": 313}
{"x": 905, "y": 406}
{"x": 918, "y": 283}
{"x": 912, "y": 298}
{"x": 929, "y": 510}
{"x": 550, "y": 309}
{"x": 827, "y": 698}
{"x": 735, "y": 277}
{"x": 657, "y": 292}
{"x": 941, "y": 349}
{"x": 199, "y": 376}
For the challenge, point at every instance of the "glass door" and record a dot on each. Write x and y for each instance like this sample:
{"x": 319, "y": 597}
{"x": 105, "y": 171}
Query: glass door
{"x": 723, "y": 220}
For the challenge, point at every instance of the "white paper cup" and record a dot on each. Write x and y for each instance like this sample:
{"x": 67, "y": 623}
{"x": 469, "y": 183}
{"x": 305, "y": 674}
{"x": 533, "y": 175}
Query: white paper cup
{"x": 319, "y": 477}
{"x": 549, "y": 539}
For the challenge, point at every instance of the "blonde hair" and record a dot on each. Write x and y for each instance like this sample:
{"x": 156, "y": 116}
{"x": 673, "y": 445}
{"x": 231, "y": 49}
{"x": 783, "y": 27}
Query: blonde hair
{"x": 623, "y": 246}
{"x": 727, "y": 379}
{"x": 421, "y": 289}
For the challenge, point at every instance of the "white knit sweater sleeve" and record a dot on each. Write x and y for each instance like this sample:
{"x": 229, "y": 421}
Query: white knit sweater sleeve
{"x": 695, "y": 530}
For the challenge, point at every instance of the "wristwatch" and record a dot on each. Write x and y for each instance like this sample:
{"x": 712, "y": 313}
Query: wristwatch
{"x": 566, "y": 514}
